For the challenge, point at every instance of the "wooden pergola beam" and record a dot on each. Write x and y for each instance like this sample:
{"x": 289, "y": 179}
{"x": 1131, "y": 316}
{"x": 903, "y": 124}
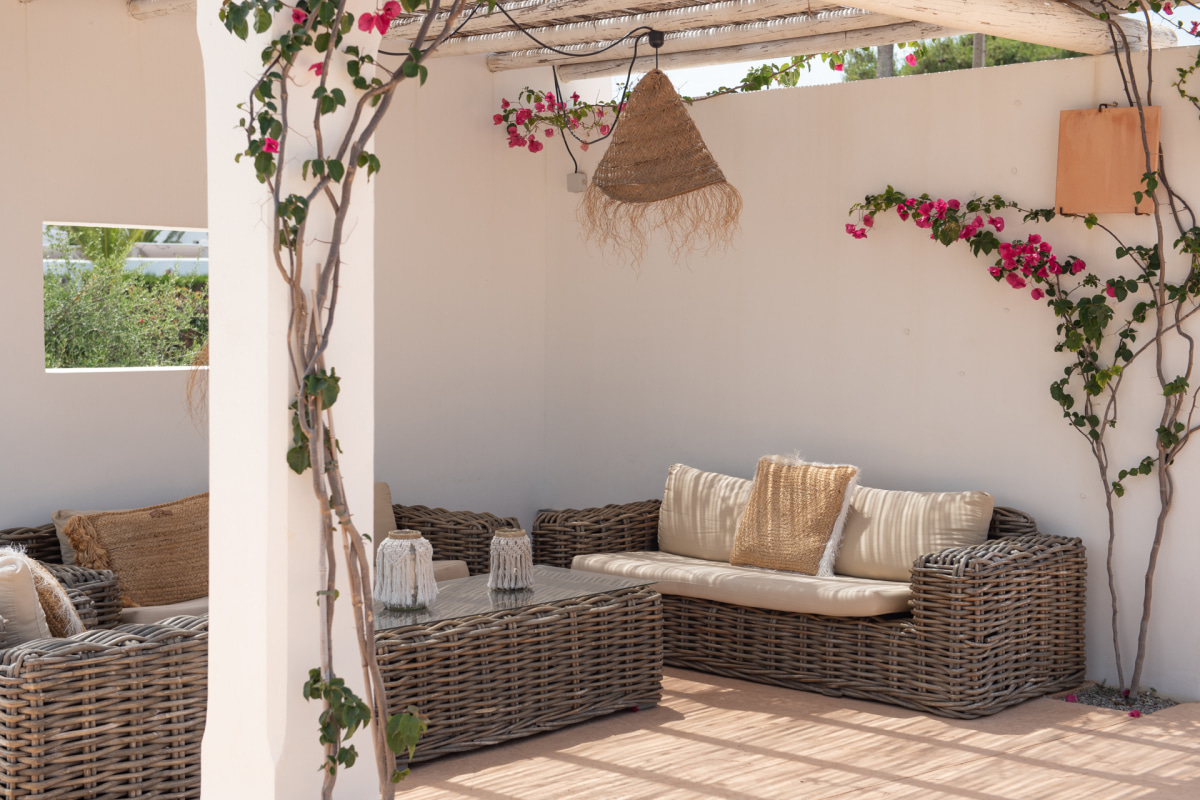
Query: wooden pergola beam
{"x": 802, "y": 26}
{"x": 149, "y": 9}
{"x": 757, "y": 51}
{"x": 1046, "y": 22}
{"x": 547, "y": 13}
{"x": 710, "y": 15}
{"x": 712, "y": 19}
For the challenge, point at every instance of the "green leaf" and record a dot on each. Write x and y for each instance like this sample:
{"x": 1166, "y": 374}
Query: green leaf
{"x": 410, "y": 69}
{"x": 404, "y": 732}
{"x": 321, "y": 42}
{"x": 298, "y": 459}
{"x": 336, "y": 171}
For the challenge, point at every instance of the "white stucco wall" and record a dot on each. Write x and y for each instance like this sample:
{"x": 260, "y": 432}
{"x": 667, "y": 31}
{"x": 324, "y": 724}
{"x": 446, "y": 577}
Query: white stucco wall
{"x": 103, "y": 122}
{"x": 893, "y": 353}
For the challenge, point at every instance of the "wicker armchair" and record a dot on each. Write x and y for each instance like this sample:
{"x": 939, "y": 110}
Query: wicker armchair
{"x": 98, "y": 584}
{"x": 991, "y": 625}
{"x": 455, "y": 535}
{"x": 106, "y": 713}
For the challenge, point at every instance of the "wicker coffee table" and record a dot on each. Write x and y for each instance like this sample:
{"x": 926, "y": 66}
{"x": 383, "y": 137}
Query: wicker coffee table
{"x": 486, "y": 667}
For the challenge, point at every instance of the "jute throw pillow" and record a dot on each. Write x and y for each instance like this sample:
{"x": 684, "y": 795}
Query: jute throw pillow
{"x": 159, "y": 553}
{"x": 795, "y": 516}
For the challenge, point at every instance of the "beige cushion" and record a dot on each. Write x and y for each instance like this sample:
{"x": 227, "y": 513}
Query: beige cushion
{"x": 795, "y": 516}
{"x": 886, "y": 531}
{"x": 23, "y": 615}
{"x": 449, "y": 570}
{"x": 159, "y": 553}
{"x": 756, "y": 588}
{"x": 143, "y": 615}
{"x": 385, "y": 518}
{"x": 700, "y": 512}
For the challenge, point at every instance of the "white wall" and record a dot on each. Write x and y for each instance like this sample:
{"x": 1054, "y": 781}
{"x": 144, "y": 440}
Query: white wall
{"x": 103, "y": 122}
{"x": 892, "y": 353}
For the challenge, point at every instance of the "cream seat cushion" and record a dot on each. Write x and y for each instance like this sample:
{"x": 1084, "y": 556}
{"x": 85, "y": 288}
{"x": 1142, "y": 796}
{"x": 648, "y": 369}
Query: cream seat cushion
{"x": 144, "y": 615}
{"x": 886, "y": 531}
{"x": 700, "y": 512}
{"x": 749, "y": 586}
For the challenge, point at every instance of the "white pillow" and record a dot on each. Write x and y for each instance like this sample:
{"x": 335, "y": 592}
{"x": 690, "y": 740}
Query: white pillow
{"x": 886, "y": 531}
{"x": 700, "y": 513}
{"x": 24, "y": 619}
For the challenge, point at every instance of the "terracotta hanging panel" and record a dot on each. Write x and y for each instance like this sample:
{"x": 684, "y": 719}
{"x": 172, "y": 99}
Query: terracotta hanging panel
{"x": 1101, "y": 160}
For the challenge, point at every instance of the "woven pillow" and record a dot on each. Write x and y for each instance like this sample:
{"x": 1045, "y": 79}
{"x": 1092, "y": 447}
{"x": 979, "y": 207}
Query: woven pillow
{"x": 60, "y": 519}
{"x": 699, "y": 513}
{"x": 886, "y": 531}
{"x": 795, "y": 516}
{"x": 159, "y": 553}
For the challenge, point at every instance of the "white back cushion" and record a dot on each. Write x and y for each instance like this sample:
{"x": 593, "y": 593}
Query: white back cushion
{"x": 19, "y": 604}
{"x": 700, "y": 513}
{"x": 886, "y": 531}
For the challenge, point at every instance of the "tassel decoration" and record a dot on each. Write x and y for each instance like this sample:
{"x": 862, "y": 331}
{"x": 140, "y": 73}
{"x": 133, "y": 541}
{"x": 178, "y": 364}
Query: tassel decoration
{"x": 404, "y": 571}
{"x": 512, "y": 560}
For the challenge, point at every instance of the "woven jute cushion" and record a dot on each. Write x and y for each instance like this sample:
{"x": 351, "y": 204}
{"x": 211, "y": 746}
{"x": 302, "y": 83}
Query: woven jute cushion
{"x": 795, "y": 516}
{"x": 159, "y": 553}
{"x": 699, "y": 513}
{"x": 886, "y": 531}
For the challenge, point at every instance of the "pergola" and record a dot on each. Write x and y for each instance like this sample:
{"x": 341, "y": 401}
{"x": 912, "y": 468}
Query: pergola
{"x": 732, "y": 31}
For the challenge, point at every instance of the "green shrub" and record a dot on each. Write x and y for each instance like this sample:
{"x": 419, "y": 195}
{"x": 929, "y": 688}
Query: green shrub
{"x": 106, "y": 315}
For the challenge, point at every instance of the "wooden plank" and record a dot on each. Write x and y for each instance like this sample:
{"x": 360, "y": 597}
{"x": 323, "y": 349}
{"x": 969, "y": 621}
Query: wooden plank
{"x": 804, "y": 25}
{"x": 759, "y": 51}
{"x": 669, "y": 21}
{"x": 149, "y": 9}
{"x": 1101, "y": 160}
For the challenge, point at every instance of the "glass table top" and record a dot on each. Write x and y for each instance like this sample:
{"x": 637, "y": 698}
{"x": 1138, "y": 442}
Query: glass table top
{"x": 466, "y": 597}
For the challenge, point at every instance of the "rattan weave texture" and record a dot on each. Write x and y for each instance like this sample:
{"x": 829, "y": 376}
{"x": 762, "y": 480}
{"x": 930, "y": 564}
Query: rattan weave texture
{"x": 492, "y": 677}
{"x": 455, "y": 535}
{"x": 40, "y": 542}
{"x": 105, "y": 714}
{"x": 98, "y": 584}
{"x": 992, "y": 625}
{"x": 561, "y": 534}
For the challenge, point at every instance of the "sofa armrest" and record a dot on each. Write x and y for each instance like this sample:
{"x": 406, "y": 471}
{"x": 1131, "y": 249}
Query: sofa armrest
{"x": 85, "y": 607}
{"x": 40, "y": 543}
{"x": 561, "y": 534}
{"x": 98, "y": 584}
{"x": 1017, "y": 597}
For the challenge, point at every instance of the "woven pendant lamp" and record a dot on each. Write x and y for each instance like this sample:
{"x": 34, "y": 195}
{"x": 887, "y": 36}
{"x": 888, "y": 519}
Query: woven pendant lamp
{"x": 658, "y": 174}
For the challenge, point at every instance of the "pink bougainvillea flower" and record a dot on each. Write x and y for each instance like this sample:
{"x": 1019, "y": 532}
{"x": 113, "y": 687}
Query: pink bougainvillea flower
{"x": 523, "y": 115}
{"x": 1111, "y": 291}
{"x": 539, "y": 107}
{"x": 940, "y": 207}
{"x": 270, "y": 145}
{"x": 535, "y": 145}
{"x": 504, "y": 104}
{"x": 1034, "y": 238}
{"x": 1045, "y": 247}
{"x": 298, "y": 16}
{"x": 1037, "y": 294}
{"x": 902, "y": 213}
{"x": 997, "y": 223}
{"x": 995, "y": 272}
{"x": 1077, "y": 266}
{"x": 850, "y": 228}
{"x": 575, "y": 97}
{"x": 366, "y": 22}
{"x": 550, "y": 99}
{"x": 392, "y": 9}
{"x": 604, "y": 129}
{"x": 838, "y": 66}
{"x": 868, "y": 220}
{"x": 319, "y": 69}
{"x": 1167, "y": 9}
{"x": 1015, "y": 280}
{"x": 583, "y": 146}
{"x": 599, "y": 113}
{"x": 861, "y": 233}
{"x": 954, "y": 204}
{"x": 1195, "y": 28}
{"x": 549, "y": 132}
{"x": 574, "y": 123}
{"x": 1071, "y": 698}
{"x": 911, "y": 60}
{"x": 1135, "y": 713}
{"x": 382, "y": 23}
{"x": 497, "y": 119}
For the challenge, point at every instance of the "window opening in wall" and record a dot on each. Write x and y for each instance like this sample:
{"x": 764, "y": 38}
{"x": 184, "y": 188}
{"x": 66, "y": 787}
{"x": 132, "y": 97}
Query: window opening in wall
{"x": 123, "y": 297}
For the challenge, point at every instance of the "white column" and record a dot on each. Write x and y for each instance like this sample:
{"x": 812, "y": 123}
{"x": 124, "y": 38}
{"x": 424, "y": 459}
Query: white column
{"x": 261, "y": 737}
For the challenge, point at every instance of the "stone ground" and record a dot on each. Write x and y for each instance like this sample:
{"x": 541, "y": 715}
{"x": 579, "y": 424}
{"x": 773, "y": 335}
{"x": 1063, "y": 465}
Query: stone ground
{"x": 722, "y": 738}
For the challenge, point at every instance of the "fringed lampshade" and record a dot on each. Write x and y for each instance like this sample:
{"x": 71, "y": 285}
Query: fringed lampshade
{"x": 659, "y": 174}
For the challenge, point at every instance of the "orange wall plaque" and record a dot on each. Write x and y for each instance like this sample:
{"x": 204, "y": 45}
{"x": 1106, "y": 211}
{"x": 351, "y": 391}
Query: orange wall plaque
{"x": 1101, "y": 160}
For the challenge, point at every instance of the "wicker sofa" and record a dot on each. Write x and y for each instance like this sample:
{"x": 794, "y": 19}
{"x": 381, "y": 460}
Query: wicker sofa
{"x": 117, "y": 711}
{"x": 990, "y": 625}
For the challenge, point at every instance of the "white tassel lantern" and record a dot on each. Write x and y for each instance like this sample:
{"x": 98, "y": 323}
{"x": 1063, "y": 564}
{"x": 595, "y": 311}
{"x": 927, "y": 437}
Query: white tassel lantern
{"x": 512, "y": 560}
{"x": 404, "y": 571}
